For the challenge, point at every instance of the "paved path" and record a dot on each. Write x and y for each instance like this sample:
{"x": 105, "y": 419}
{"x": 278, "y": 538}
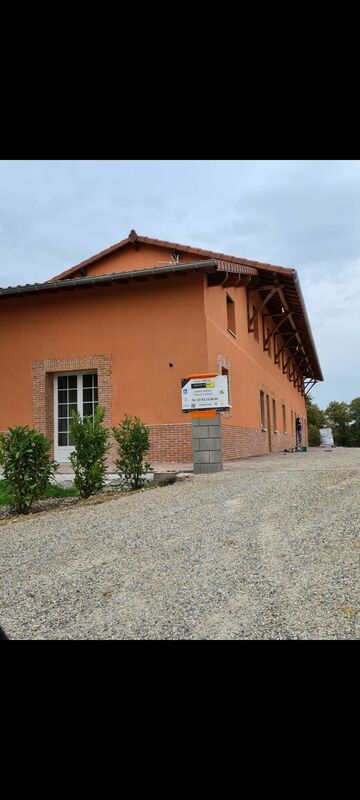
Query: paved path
{"x": 267, "y": 551}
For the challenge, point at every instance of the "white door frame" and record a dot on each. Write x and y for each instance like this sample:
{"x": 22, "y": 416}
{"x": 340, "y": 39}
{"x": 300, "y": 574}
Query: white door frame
{"x": 62, "y": 453}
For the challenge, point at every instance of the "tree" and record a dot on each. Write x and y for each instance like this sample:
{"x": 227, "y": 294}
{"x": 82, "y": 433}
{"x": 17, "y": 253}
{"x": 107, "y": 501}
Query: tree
{"x": 316, "y": 419}
{"x": 354, "y": 412}
{"x": 338, "y": 416}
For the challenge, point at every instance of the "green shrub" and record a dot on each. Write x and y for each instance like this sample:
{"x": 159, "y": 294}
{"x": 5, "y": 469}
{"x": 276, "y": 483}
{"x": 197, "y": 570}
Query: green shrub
{"x": 52, "y": 490}
{"x": 314, "y": 435}
{"x": 28, "y": 467}
{"x": 133, "y": 440}
{"x": 90, "y": 439}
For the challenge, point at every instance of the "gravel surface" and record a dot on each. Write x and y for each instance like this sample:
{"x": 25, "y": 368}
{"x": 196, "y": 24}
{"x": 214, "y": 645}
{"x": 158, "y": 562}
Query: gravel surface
{"x": 267, "y": 551}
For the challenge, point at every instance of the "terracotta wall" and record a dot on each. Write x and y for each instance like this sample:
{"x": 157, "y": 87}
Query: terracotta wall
{"x": 140, "y": 329}
{"x": 128, "y": 259}
{"x": 250, "y": 368}
{"x": 143, "y": 327}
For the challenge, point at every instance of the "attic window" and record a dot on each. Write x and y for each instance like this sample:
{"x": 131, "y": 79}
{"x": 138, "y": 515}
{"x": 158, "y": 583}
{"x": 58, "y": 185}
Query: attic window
{"x": 230, "y": 309}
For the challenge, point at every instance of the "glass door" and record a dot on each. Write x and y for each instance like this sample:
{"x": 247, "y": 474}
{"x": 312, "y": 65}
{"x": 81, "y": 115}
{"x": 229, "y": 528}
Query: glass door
{"x": 74, "y": 392}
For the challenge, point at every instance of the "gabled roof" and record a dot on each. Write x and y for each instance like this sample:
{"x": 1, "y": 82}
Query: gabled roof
{"x": 134, "y": 239}
{"x": 292, "y": 299}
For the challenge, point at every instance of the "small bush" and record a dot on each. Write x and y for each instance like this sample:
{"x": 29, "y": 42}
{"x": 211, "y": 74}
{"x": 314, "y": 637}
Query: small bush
{"x": 52, "y": 490}
{"x": 28, "y": 467}
{"x": 90, "y": 439}
{"x": 133, "y": 440}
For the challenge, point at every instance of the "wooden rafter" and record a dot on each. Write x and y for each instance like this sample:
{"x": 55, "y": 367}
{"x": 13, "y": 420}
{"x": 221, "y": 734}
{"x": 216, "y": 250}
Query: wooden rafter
{"x": 283, "y": 318}
{"x": 309, "y": 386}
{"x": 299, "y": 364}
{"x": 267, "y": 287}
{"x": 286, "y": 365}
{"x": 227, "y": 278}
{"x": 287, "y": 342}
{"x": 258, "y": 311}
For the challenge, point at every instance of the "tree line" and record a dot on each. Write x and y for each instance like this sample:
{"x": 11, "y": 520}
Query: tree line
{"x": 343, "y": 419}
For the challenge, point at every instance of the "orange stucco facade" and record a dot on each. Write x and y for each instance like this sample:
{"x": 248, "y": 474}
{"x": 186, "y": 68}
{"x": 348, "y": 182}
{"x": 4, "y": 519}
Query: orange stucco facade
{"x": 152, "y": 333}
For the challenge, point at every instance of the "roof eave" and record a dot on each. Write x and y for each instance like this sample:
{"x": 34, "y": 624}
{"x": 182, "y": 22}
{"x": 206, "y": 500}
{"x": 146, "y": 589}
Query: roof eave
{"x": 320, "y": 376}
{"x": 116, "y": 277}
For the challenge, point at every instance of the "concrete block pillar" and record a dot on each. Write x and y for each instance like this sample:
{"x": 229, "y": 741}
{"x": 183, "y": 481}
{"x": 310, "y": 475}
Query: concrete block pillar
{"x": 206, "y": 443}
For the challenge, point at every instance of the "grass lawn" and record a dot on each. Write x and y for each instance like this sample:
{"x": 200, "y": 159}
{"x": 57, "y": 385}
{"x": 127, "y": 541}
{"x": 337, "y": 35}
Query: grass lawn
{"x": 54, "y": 490}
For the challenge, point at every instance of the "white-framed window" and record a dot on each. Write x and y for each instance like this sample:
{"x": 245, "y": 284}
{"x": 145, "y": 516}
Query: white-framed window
{"x": 72, "y": 392}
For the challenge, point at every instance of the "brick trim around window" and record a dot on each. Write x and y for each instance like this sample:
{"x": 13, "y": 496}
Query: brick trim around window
{"x": 43, "y": 387}
{"x": 222, "y": 361}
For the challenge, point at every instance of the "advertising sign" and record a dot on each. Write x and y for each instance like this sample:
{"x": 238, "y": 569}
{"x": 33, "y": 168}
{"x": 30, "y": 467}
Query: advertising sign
{"x": 204, "y": 394}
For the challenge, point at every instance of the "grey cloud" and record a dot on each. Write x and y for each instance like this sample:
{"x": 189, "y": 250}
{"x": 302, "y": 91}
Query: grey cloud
{"x": 310, "y": 215}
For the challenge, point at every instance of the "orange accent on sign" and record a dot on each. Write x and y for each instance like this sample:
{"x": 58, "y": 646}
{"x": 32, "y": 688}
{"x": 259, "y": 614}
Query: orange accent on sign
{"x": 211, "y": 414}
{"x": 203, "y": 375}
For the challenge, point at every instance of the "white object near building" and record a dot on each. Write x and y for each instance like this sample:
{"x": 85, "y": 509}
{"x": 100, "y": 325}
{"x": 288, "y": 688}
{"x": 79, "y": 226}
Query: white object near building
{"x": 326, "y": 437}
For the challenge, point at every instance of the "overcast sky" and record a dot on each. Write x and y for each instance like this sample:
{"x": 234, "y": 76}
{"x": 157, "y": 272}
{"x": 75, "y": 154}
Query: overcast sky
{"x": 301, "y": 214}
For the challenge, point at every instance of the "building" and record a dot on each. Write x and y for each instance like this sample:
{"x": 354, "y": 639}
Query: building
{"x": 123, "y": 327}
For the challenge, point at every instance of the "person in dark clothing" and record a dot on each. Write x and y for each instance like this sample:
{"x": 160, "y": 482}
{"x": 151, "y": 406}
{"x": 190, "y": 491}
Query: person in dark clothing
{"x": 2, "y": 634}
{"x": 298, "y": 430}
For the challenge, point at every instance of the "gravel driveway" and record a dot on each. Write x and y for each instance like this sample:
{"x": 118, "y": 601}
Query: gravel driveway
{"x": 267, "y": 551}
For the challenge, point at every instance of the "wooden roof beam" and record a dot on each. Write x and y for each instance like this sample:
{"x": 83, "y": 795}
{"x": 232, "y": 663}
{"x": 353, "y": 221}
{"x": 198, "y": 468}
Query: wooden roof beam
{"x": 309, "y": 385}
{"x": 259, "y": 310}
{"x": 287, "y": 342}
{"x": 284, "y": 317}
